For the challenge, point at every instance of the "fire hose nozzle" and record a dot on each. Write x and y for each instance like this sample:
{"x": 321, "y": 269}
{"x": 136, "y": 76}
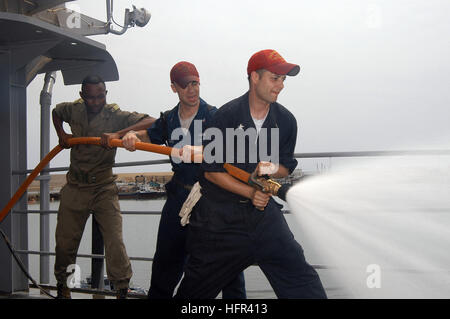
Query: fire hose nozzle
{"x": 268, "y": 185}
{"x": 264, "y": 184}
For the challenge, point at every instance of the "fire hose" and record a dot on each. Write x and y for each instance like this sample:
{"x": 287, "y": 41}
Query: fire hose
{"x": 263, "y": 183}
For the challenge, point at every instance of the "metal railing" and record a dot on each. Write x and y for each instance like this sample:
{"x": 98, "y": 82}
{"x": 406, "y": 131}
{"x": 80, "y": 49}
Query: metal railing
{"x": 97, "y": 255}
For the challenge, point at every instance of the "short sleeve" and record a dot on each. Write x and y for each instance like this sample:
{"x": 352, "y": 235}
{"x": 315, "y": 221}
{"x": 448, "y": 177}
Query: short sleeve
{"x": 126, "y": 119}
{"x": 64, "y": 111}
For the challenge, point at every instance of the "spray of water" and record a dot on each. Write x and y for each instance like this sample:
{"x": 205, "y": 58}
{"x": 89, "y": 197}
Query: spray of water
{"x": 382, "y": 226}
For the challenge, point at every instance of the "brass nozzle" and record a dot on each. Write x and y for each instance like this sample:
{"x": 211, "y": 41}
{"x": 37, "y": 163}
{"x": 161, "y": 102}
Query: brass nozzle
{"x": 270, "y": 186}
{"x": 266, "y": 185}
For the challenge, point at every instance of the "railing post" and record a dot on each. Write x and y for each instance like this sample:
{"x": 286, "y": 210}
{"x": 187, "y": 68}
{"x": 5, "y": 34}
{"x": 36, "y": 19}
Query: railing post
{"x": 97, "y": 273}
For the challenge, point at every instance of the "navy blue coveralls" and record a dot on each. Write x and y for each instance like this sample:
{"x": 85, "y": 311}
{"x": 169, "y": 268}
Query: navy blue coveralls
{"x": 227, "y": 233}
{"x": 170, "y": 255}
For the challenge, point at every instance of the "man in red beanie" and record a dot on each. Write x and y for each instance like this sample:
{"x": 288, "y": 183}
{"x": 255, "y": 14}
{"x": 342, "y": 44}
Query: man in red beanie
{"x": 234, "y": 225}
{"x": 190, "y": 113}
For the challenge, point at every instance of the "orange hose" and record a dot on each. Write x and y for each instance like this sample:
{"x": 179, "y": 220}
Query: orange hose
{"x": 76, "y": 141}
{"x": 160, "y": 149}
{"x": 28, "y": 181}
{"x": 148, "y": 147}
{"x": 237, "y": 173}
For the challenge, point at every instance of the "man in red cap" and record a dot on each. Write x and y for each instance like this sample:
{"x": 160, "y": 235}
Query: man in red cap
{"x": 181, "y": 121}
{"x": 235, "y": 225}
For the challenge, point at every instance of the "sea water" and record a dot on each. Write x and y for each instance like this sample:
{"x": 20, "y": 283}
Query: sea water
{"x": 381, "y": 226}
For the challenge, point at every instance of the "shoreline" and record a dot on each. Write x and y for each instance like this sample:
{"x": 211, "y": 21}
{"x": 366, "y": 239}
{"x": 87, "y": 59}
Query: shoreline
{"x": 128, "y": 183}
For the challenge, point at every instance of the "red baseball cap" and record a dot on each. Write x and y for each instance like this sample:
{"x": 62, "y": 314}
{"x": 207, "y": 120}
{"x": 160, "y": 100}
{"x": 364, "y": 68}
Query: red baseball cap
{"x": 272, "y": 61}
{"x": 184, "y": 73}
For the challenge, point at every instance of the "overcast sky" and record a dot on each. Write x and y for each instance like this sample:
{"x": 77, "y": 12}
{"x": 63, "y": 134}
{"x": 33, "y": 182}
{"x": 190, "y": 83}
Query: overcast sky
{"x": 375, "y": 75}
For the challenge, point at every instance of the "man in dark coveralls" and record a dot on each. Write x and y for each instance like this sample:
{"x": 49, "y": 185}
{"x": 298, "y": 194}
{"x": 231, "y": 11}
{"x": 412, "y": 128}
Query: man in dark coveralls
{"x": 234, "y": 225}
{"x": 90, "y": 186}
{"x": 182, "y": 126}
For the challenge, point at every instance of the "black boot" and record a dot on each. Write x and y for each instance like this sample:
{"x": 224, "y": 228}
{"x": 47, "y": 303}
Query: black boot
{"x": 63, "y": 292}
{"x": 122, "y": 293}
